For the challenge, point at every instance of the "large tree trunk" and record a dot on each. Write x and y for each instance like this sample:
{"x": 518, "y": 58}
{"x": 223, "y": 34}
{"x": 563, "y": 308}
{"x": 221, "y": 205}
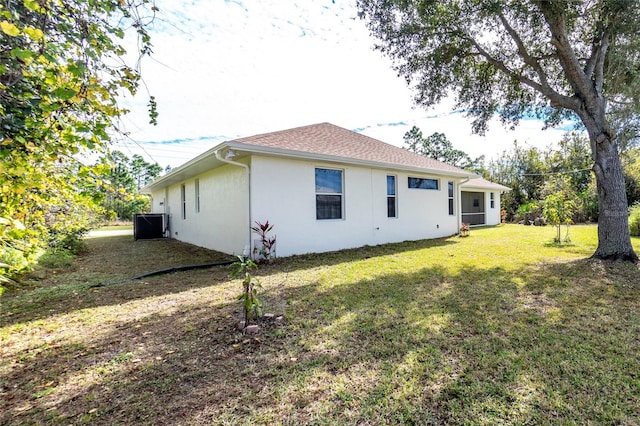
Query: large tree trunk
{"x": 589, "y": 103}
{"x": 614, "y": 240}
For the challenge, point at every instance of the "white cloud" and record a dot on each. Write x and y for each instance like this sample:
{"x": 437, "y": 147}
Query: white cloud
{"x": 226, "y": 69}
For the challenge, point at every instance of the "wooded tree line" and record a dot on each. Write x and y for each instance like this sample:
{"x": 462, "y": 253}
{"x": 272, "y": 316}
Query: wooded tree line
{"x": 534, "y": 174}
{"x": 120, "y": 197}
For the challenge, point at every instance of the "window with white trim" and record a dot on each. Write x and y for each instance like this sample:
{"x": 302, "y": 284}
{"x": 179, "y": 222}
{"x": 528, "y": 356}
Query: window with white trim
{"x": 492, "y": 200}
{"x": 450, "y": 187}
{"x": 183, "y": 200}
{"x": 197, "y": 194}
{"x": 392, "y": 200}
{"x": 422, "y": 183}
{"x": 329, "y": 194}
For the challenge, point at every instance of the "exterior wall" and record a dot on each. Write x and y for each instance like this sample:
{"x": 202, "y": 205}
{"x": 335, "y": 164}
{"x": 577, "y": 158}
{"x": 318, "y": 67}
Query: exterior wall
{"x": 493, "y": 214}
{"x": 283, "y": 192}
{"x": 221, "y": 224}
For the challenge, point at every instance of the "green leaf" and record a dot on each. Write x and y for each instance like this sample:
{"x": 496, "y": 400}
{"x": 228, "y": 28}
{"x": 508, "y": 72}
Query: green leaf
{"x": 32, "y": 5}
{"x": 49, "y": 57}
{"x": 64, "y": 93}
{"x": 77, "y": 69}
{"x": 22, "y": 54}
{"x": 118, "y": 32}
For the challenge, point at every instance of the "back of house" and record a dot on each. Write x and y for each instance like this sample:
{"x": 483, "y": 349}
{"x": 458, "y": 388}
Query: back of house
{"x": 324, "y": 188}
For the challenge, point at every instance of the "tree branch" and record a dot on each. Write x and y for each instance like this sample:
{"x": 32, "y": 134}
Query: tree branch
{"x": 591, "y": 61}
{"x": 522, "y": 51}
{"x": 576, "y": 76}
{"x": 599, "y": 68}
{"x": 503, "y": 67}
{"x": 556, "y": 98}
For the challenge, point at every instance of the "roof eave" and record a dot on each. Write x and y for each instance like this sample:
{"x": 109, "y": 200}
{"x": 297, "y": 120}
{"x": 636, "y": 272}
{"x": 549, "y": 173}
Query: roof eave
{"x": 182, "y": 172}
{"x": 495, "y": 187}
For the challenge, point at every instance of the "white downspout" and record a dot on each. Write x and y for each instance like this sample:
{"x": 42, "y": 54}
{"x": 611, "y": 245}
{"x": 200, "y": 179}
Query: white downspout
{"x": 247, "y": 249}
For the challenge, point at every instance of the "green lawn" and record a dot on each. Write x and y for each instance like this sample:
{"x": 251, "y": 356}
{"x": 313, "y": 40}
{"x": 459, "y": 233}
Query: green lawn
{"x": 502, "y": 327}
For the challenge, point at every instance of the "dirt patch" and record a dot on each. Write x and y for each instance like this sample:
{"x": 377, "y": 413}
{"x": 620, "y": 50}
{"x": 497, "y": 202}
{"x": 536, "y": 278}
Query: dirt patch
{"x": 149, "y": 351}
{"x": 47, "y": 292}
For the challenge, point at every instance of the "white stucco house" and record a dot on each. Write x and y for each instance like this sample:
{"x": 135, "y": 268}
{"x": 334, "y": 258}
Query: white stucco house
{"x": 323, "y": 188}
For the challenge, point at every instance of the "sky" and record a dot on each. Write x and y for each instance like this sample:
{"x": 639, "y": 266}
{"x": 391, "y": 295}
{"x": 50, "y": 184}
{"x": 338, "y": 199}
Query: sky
{"x": 224, "y": 69}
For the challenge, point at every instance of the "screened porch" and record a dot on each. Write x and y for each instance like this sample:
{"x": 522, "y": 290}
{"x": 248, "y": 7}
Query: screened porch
{"x": 473, "y": 208}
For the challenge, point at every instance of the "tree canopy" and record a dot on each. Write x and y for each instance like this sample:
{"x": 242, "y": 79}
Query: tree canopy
{"x": 122, "y": 177}
{"x": 438, "y": 147}
{"x": 548, "y": 59}
{"x": 61, "y": 72}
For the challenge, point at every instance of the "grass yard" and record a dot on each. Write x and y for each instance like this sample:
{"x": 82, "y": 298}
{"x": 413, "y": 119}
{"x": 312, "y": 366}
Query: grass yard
{"x": 501, "y": 327}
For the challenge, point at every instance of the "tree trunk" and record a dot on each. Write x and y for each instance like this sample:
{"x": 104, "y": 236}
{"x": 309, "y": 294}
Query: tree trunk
{"x": 614, "y": 239}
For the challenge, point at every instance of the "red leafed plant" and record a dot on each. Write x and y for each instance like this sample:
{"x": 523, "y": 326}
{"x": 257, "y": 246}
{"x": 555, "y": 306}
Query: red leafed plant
{"x": 268, "y": 243}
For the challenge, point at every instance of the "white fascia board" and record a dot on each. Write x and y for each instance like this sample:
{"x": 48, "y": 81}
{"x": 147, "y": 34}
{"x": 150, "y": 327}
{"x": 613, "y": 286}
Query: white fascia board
{"x": 186, "y": 170}
{"x": 489, "y": 187}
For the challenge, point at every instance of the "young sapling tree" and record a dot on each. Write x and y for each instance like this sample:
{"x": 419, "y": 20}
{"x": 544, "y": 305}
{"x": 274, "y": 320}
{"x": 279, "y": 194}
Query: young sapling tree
{"x": 249, "y": 296}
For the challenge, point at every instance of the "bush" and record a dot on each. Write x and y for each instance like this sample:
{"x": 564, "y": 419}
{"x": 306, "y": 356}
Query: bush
{"x": 634, "y": 220}
{"x": 13, "y": 260}
{"x": 528, "y": 213}
{"x": 588, "y": 204}
{"x": 56, "y": 259}
{"x": 16, "y": 254}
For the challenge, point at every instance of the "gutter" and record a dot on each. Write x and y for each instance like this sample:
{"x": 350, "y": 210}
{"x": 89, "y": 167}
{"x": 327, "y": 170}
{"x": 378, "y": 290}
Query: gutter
{"x": 218, "y": 153}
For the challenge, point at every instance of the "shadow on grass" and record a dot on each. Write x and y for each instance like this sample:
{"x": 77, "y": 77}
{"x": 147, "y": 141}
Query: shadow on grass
{"x": 112, "y": 259}
{"x": 426, "y": 346}
{"x": 314, "y": 260}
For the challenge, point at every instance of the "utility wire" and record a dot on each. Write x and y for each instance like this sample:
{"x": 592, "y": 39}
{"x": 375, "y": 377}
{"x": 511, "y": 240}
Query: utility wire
{"x": 556, "y": 173}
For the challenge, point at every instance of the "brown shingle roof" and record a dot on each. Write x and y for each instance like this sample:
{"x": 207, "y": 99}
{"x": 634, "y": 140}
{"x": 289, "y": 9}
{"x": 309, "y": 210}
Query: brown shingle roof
{"x": 331, "y": 140}
{"x": 323, "y": 141}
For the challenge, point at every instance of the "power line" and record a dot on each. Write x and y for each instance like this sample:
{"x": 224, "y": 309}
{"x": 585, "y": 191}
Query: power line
{"x": 556, "y": 173}
{"x": 124, "y": 142}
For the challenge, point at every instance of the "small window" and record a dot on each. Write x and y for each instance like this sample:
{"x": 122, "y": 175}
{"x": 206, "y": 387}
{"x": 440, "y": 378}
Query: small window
{"x": 451, "y": 191}
{"x": 420, "y": 183}
{"x": 329, "y": 194}
{"x": 183, "y": 201}
{"x": 492, "y": 199}
{"x": 392, "y": 203}
{"x": 197, "y": 190}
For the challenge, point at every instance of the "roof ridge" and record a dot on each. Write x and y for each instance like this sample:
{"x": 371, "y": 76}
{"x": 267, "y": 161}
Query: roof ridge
{"x": 334, "y": 141}
{"x": 276, "y": 132}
